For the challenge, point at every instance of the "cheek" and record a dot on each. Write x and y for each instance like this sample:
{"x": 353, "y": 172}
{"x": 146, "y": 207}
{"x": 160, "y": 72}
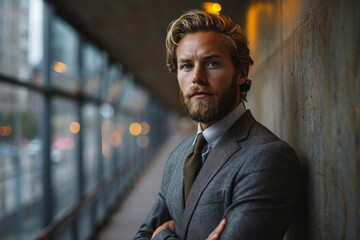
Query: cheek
{"x": 220, "y": 81}
{"x": 183, "y": 84}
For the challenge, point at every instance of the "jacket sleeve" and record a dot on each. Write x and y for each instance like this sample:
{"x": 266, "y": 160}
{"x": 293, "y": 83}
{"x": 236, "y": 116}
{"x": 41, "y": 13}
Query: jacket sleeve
{"x": 263, "y": 197}
{"x": 157, "y": 216}
{"x": 159, "y": 213}
{"x": 166, "y": 235}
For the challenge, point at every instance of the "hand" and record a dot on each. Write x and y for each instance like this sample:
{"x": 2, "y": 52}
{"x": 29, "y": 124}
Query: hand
{"x": 215, "y": 235}
{"x": 167, "y": 225}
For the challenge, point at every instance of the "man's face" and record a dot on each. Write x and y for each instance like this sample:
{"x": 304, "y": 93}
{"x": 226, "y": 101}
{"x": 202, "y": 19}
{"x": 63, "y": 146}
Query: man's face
{"x": 209, "y": 84}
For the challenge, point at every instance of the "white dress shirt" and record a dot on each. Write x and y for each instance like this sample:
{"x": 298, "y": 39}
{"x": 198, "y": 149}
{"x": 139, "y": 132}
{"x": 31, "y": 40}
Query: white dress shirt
{"x": 214, "y": 133}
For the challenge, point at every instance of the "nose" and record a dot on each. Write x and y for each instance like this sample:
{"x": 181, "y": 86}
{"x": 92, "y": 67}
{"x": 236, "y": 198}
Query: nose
{"x": 199, "y": 76}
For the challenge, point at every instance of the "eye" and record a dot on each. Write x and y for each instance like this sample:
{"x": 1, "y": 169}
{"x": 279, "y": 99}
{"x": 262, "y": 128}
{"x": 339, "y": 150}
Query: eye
{"x": 212, "y": 64}
{"x": 185, "y": 66}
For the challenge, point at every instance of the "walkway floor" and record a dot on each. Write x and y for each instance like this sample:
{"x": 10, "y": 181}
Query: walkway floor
{"x": 125, "y": 222}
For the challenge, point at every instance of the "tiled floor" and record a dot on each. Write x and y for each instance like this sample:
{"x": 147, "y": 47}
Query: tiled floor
{"x": 126, "y": 221}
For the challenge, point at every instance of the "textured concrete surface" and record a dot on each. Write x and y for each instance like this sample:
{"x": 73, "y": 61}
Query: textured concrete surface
{"x": 306, "y": 88}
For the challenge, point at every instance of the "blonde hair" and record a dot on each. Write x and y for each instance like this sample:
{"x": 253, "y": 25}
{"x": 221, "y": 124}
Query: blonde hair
{"x": 196, "y": 21}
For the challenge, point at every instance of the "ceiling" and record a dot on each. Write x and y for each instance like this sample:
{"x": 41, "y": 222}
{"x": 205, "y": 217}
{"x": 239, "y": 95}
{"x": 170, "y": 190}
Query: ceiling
{"x": 133, "y": 33}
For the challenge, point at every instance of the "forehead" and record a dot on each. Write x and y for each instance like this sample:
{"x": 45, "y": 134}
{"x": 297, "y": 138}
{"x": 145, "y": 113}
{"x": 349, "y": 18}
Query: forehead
{"x": 202, "y": 43}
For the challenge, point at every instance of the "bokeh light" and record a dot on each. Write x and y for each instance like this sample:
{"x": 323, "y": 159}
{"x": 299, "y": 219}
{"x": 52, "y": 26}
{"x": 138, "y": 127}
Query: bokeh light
{"x": 145, "y": 128}
{"x": 135, "y": 129}
{"x": 74, "y": 127}
{"x": 211, "y": 7}
{"x": 59, "y": 67}
{"x": 5, "y": 131}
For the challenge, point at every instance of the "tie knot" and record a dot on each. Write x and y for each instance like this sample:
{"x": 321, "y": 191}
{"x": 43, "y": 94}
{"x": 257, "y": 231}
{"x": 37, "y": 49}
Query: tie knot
{"x": 199, "y": 143}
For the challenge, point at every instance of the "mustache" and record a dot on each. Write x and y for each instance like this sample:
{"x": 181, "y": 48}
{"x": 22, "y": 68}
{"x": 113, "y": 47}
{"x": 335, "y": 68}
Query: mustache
{"x": 196, "y": 89}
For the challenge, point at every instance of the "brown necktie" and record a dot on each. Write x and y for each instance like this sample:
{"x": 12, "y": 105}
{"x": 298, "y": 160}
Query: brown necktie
{"x": 193, "y": 164}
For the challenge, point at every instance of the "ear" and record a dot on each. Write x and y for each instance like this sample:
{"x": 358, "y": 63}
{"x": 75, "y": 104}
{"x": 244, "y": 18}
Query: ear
{"x": 242, "y": 75}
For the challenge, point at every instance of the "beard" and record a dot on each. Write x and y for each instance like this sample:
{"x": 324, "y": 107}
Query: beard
{"x": 211, "y": 108}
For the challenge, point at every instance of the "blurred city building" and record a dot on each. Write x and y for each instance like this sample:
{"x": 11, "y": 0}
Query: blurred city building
{"x": 66, "y": 113}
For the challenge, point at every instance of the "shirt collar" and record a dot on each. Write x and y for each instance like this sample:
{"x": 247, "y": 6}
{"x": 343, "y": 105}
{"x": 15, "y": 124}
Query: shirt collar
{"x": 214, "y": 133}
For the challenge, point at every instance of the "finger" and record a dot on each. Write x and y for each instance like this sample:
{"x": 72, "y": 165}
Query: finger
{"x": 221, "y": 226}
{"x": 171, "y": 225}
{"x": 217, "y": 231}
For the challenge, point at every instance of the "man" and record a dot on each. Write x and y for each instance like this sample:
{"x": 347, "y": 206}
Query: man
{"x": 247, "y": 184}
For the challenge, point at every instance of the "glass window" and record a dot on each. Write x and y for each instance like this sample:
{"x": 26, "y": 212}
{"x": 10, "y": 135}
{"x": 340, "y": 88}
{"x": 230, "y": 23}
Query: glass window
{"x": 130, "y": 138}
{"x": 85, "y": 224}
{"x": 21, "y": 161}
{"x": 91, "y": 145}
{"x": 113, "y": 86}
{"x": 65, "y": 127}
{"x": 134, "y": 98}
{"x": 93, "y": 64}
{"x": 107, "y": 115}
{"x": 21, "y": 38}
{"x": 64, "y": 64}
{"x": 118, "y": 139}
{"x": 107, "y": 142}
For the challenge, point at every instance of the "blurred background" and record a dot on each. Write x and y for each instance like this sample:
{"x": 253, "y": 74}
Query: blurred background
{"x": 89, "y": 113}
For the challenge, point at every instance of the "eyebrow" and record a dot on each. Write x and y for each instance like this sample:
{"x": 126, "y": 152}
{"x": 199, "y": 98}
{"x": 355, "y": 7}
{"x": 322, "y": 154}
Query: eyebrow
{"x": 210, "y": 56}
{"x": 214, "y": 55}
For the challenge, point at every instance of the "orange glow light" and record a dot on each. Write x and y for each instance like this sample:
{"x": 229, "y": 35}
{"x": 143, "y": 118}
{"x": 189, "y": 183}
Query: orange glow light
{"x": 115, "y": 138}
{"x": 211, "y": 7}
{"x": 135, "y": 129}
{"x": 59, "y": 67}
{"x": 216, "y": 7}
{"x": 5, "y": 131}
{"x": 145, "y": 128}
{"x": 74, "y": 127}
{"x": 255, "y": 14}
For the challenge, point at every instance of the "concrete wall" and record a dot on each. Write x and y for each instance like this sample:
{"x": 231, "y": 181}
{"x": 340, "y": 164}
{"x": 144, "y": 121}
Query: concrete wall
{"x": 306, "y": 88}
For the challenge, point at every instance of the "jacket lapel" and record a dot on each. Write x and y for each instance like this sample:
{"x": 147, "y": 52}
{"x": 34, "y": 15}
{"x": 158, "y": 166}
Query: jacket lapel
{"x": 177, "y": 199}
{"x": 227, "y": 146}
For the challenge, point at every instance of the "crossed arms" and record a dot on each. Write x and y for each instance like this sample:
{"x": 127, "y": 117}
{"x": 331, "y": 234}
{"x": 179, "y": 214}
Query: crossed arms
{"x": 258, "y": 203}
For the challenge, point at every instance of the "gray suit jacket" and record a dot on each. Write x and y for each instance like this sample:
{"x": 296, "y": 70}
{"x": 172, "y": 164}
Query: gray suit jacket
{"x": 250, "y": 178}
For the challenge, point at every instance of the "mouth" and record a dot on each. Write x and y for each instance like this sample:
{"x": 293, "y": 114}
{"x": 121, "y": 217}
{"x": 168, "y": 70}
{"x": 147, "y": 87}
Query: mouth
{"x": 200, "y": 94}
